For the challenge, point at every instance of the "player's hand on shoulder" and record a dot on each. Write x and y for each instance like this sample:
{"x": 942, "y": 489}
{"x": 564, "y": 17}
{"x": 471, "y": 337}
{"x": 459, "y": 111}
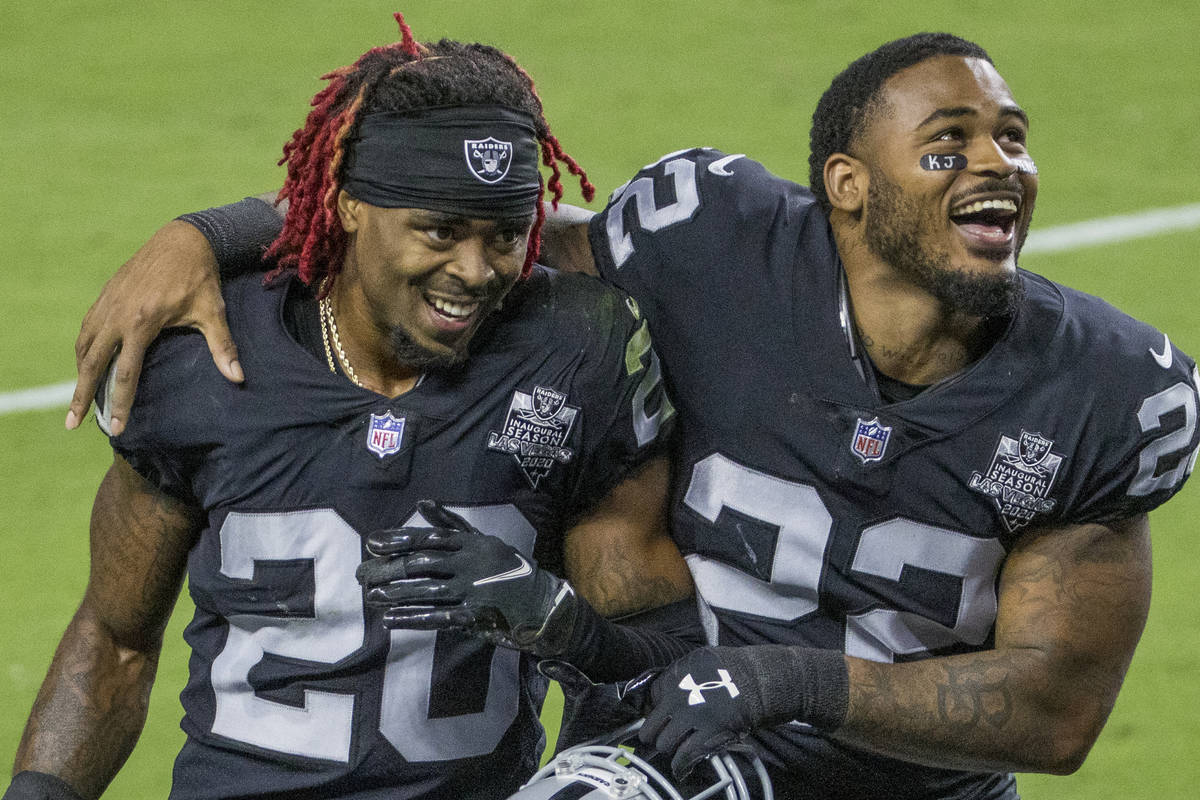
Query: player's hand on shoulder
{"x": 449, "y": 574}
{"x": 171, "y": 281}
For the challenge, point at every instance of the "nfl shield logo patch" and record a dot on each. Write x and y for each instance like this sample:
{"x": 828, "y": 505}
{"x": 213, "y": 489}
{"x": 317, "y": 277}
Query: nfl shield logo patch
{"x": 870, "y": 439}
{"x": 385, "y": 434}
{"x": 488, "y": 159}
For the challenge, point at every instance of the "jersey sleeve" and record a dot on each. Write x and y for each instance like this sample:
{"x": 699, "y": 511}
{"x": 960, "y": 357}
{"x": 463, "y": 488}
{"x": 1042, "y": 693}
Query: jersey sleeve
{"x": 1145, "y": 438}
{"x": 683, "y": 215}
{"x": 169, "y": 427}
{"x": 627, "y": 416}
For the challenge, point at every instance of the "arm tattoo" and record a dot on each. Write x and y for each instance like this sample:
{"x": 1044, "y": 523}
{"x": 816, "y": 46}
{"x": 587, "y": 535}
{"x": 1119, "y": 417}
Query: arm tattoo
{"x": 1072, "y": 603}
{"x": 972, "y": 696}
{"x": 616, "y": 585}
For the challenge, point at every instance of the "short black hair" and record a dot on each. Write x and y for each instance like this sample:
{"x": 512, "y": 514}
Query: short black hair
{"x": 849, "y": 102}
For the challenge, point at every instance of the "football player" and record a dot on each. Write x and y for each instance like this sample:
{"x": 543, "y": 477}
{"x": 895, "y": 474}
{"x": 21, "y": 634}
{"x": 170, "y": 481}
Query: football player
{"x": 417, "y": 389}
{"x": 913, "y": 479}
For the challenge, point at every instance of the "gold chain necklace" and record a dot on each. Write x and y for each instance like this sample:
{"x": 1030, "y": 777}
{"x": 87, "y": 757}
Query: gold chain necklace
{"x": 329, "y": 330}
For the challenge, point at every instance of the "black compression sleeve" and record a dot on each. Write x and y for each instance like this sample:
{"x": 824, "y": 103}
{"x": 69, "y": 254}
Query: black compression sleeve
{"x": 607, "y": 650}
{"x": 238, "y": 233}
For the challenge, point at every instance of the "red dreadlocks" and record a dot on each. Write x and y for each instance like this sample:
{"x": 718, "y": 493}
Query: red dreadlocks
{"x": 406, "y": 75}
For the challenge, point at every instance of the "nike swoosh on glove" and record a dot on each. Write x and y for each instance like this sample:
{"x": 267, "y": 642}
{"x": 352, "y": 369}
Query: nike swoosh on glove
{"x": 451, "y": 575}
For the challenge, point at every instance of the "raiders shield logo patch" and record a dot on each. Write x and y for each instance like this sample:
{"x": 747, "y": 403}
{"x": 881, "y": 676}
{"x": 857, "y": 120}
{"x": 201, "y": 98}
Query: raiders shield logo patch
{"x": 1020, "y": 477}
{"x": 535, "y": 431}
{"x": 488, "y": 159}
{"x": 385, "y": 434}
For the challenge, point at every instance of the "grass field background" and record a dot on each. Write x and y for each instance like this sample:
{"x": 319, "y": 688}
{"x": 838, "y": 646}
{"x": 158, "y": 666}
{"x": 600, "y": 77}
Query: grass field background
{"x": 118, "y": 116}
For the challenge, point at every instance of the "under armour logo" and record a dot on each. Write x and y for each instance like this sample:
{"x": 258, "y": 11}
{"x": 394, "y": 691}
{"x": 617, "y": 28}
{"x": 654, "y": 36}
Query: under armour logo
{"x": 696, "y": 690}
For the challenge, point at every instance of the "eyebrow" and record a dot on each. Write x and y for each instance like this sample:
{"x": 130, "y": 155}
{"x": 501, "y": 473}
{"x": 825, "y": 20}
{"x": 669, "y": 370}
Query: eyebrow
{"x": 439, "y": 217}
{"x": 966, "y": 111}
{"x": 430, "y": 217}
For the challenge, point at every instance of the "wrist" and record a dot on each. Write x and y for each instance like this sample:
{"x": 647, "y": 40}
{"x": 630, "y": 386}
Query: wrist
{"x": 557, "y": 606}
{"x": 31, "y": 785}
{"x": 794, "y": 683}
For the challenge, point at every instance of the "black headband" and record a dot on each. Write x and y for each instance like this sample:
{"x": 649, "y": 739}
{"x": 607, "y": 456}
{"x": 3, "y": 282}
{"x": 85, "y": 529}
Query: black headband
{"x": 479, "y": 161}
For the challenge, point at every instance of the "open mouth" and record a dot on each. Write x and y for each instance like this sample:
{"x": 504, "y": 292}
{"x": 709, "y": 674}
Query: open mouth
{"x": 452, "y": 310}
{"x": 987, "y": 224}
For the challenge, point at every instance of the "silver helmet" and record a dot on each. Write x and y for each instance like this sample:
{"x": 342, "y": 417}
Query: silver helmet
{"x": 606, "y": 771}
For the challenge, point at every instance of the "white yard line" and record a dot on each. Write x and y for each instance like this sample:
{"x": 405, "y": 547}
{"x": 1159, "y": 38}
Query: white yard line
{"x": 1107, "y": 230}
{"x": 38, "y": 398}
{"x": 1089, "y": 233}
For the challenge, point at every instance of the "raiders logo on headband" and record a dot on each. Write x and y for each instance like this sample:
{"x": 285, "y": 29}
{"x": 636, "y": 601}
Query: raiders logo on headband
{"x": 488, "y": 159}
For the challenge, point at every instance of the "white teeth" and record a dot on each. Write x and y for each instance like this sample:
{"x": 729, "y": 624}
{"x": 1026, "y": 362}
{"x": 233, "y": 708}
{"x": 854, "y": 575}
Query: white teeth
{"x": 981, "y": 205}
{"x": 454, "y": 309}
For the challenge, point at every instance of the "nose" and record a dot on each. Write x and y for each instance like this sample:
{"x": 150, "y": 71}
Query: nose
{"x": 987, "y": 157}
{"x": 471, "y": 264}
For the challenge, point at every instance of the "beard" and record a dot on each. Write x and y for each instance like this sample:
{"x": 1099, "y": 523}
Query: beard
{"x": 408, "y": 352}
{"x": 894, "y": 229}
{"x": 421, "y": 359}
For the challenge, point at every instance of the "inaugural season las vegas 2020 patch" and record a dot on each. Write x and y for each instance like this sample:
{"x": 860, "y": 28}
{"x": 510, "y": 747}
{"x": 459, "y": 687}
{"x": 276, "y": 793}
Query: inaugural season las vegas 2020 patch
{"x": 535, "y": 431}
{"x": 1020, "y": 477}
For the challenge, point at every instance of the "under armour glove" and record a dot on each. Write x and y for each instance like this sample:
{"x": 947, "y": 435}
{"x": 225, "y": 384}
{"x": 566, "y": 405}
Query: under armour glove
{"x": 451, "y": 575}
{"x": 714, "y": 695}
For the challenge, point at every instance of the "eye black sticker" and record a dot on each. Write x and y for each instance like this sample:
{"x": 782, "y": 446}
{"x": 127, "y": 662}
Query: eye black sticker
{"x": 1026, "y": 166}
{"x": 935, "y": 162}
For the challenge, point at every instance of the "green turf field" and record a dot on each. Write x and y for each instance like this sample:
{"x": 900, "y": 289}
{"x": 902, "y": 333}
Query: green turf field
{"x": 118, "y": 115}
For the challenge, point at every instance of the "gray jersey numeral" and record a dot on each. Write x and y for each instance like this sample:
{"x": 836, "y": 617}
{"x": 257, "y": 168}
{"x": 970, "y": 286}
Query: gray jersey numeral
{"x": 1180, "y": 397}
{"x": 650, "y": 216}
{"x": 883, "y": 551}
{"x": 323, "y": 725}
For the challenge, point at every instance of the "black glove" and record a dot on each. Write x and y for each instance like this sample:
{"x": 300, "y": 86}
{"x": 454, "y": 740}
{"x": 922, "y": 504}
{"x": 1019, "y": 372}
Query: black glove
{"x": 710, "y": 697}
{"x": 697, "y": 708}
{"x": 591, "y": 710}
{"x": 453, "y": 576}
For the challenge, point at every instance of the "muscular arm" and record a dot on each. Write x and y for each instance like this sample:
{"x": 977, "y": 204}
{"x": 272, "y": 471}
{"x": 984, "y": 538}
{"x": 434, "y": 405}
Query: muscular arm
{"x": 620, "y": 557}
{"x": 92, "y": 705}
{"x": 171, "y": 280}
{"x": 1072, "y": 605}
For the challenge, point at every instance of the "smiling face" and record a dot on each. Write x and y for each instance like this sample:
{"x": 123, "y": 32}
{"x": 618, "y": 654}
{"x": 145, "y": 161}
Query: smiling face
{"x": 954, "y": 232}
{"x": 421, "y": 282}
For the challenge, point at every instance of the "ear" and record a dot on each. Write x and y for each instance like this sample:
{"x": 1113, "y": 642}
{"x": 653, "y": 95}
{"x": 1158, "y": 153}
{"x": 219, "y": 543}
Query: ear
{"x": 350, "y": 211}
{"x": 846, "y": 181}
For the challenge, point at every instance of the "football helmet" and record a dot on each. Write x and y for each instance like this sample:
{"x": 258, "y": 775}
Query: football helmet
{"x": 603, "y": 770}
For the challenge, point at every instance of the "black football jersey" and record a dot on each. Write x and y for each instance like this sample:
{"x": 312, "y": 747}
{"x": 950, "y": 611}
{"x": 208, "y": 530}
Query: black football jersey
{"x": 295, "y": 687}
{"x": 813, "y": 512}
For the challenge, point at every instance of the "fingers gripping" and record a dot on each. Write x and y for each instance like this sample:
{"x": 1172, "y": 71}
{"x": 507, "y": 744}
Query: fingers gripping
{"x": 438, "y": 515}
{"x": 429, "y": 619}
{"x": 404, "y": 555}
{"x": 453, "y": 575}
{"x": 212, "y": 323}
{"x": 392, "y": 542}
